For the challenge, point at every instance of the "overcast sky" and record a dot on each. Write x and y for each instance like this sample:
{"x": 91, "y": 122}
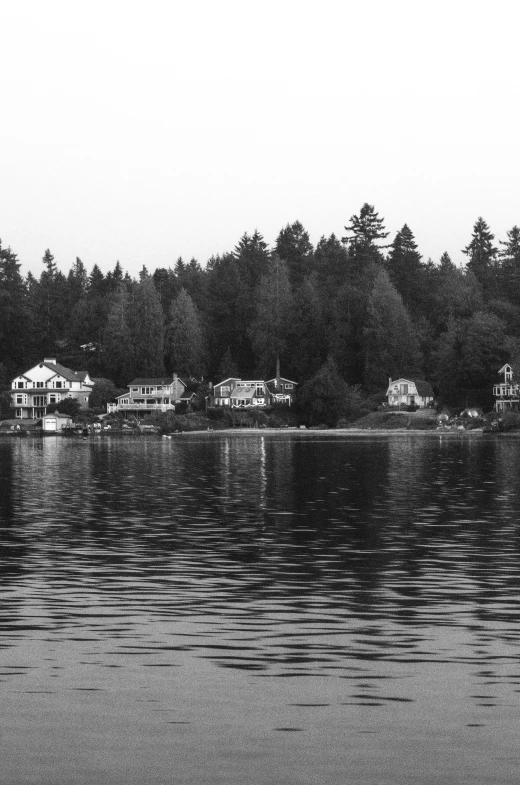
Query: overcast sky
{"x": 142, "y": 132}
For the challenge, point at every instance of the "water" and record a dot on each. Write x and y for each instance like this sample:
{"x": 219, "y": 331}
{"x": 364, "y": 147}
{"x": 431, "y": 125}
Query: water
{"x": 252, "y": 609}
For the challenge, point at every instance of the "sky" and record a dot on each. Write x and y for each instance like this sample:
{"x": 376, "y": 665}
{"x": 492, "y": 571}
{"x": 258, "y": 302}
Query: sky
{"x": 142, "y": 132}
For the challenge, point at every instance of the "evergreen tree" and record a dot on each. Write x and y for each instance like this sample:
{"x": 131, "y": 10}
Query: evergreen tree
{"x": 252, "y": 256}
{"x": 268, "y": 330}
{"x": 146, "y": 324}
{"x": 118, "y": 357}
{"x": 467, "y": 357}
{"x": 294, "y": 247}
{"x": 15, "y": 332}
{"x": 225, "y": 326}
{"x": 49, "y": 306}
{"x": 185, "y": 338}
{"x": 77, "y": 283}
{"x": 306, "y": 332}
{"x": 391, "y": 346}
{"x": 509, "y": 269}
{"x": 407, "y": 272}
{"x": 481, "y": 254}
{"x": 167, "y": 287}
{"x": 326, "y": 398}
{"x": 331, "y": 265}
{"x": 366, "y": 229}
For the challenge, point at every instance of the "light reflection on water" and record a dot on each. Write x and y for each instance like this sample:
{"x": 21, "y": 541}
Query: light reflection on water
{"x": 247, "y": 608}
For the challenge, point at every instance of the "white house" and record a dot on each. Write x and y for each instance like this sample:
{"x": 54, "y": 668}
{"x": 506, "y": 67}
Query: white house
{"x": 240, "y": 393}
{"x": 146, "y": 396}
{"x": 45, "y": 384}
{"x": 507, "y": 392}
{"x": 409, "y": 392}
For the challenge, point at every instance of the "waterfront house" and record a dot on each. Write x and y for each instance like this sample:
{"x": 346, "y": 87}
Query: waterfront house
{"x": 507, "y": 392}
{"x": 240, "y": 393}
{"x": 409, "y": 392}
{"x": 281, "y": 390}
{"x": 147, "y": 396}
{"x": 46, "y": 384}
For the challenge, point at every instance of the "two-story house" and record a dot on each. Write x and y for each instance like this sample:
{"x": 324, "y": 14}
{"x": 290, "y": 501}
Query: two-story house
{"x": 409, "y": 392}
{"x": 146, "y": 396}
{"x": 507, "y": 392}
{"x": 48, "y": 383}
{"x": 240, "y": 393}
{"x": 281, "y": 390}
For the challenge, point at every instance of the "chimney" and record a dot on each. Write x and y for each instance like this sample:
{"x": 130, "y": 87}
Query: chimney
{"x": 51, "y": 360}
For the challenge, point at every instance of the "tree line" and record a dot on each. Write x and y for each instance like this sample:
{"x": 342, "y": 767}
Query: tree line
{"x": 369, "y": 304}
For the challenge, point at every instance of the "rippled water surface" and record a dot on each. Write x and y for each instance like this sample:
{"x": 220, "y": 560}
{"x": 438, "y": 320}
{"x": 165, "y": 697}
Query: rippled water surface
{"x": 248, "y": 609}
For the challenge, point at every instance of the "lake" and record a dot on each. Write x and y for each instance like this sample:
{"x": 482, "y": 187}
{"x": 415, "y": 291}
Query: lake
{"x": 254, "y": 609}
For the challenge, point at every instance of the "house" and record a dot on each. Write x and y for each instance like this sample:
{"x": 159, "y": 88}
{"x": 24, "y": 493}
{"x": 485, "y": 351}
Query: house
{"x": 48, "y": 383}
{"x": 56, "y": 422}
{"x": 409, "y": 392}
{"x": 146, "y": 396}
{"x": 240, "y": 393}
{"x": 281, "y": 390}
{"x": 507, "y": 392}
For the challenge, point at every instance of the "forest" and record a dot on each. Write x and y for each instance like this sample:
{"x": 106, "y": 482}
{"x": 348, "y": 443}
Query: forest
{"x": 365, "y": 303}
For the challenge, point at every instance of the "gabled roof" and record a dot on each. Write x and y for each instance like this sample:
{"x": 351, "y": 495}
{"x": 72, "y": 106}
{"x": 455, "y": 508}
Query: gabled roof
{"x": 229, "y": 379}
{"x": 424, "y": 389}
{"x": 58, "y": 370}
{"x": 159, "y": 381}
{"x": 282, "y": 379}
{"x": 505, "y": 367}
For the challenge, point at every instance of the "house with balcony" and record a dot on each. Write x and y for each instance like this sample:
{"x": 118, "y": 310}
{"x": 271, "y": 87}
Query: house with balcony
{"x": 240, "y": 393}
{"x": 409, "y": 392}
{"x": 507, "y": 391}
{"x": 281, "y": 390}
{"x": 150, "y": 395}
{"x": 38, "y": 389}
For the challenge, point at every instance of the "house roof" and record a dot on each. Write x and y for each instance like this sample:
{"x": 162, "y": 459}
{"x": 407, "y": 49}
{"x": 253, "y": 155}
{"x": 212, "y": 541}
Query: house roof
{"x": 67, "y": 373}
{"x": 160, "y": 381}
{"x": 507, "y": 365}
{"x": 424, "y": 389}
{"x": 229, "y": 379}
{"x": 244, "y": 392}
{"x": 282, "y": 379}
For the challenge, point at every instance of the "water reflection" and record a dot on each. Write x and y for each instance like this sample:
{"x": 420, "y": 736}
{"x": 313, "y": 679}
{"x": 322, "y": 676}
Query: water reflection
{"x": 365, "y": 586}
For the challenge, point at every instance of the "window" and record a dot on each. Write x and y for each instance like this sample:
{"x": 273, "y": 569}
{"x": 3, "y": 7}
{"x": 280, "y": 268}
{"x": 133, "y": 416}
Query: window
{"x": 20, "y": 385}
{"x": 289, "y": 386}
{"x": 124, "y": 401}
{"x": 39, "y": 384}
{"x": 53, "y": 398}
{"x": 404, "y": 389}
{"x": 225, "y": 391}
{"x": 39, "y": 400}
{"x": 19, "y": 399}
{"x": 146, "y": 390}
{"x": 18, "y": 413}
{"x": 135, "y": 389}
{"x": 58, "y": 385}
